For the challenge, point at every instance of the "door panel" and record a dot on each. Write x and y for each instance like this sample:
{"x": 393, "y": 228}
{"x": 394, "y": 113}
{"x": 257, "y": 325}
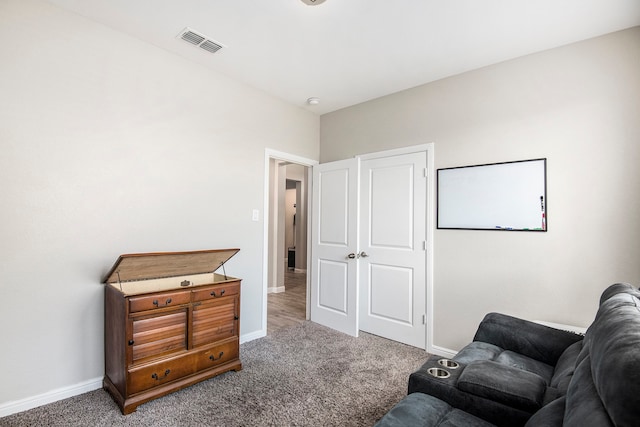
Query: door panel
{"x": 393, "y": 232}
{"x": 391, "y": 293}
{"x": 334, "y": 207}
{"x": 390, "y": 188}
{"x": 332, "y": 285}
{"x": 334, "y": 276}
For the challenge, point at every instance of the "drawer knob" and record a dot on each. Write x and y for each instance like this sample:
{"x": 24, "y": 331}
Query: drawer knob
{"x": 131, "y": 342}
{"x": 157, "y": 378}
{"x": 212, "y": 357}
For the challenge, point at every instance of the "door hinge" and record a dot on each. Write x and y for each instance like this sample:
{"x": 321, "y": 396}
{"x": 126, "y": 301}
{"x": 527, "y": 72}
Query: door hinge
{"x": 424, "y": 172}
{"x": 424, "y": 319}
{"x": 424, "y": 245}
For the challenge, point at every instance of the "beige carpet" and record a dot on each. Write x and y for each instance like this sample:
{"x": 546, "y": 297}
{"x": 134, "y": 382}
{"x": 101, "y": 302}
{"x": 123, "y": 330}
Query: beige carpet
{"x": 307, "y": 375}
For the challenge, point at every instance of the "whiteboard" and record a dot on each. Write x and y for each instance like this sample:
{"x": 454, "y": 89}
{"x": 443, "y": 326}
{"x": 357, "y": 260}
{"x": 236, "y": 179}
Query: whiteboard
{"x": 509, "y": 196}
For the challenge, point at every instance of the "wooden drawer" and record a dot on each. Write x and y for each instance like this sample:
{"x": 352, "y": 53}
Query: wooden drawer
{"x": 153, "y": 375}
{"x": 165, "y": 299}
{"x": 218, "y": 354}
{"x": 218, "y": 291}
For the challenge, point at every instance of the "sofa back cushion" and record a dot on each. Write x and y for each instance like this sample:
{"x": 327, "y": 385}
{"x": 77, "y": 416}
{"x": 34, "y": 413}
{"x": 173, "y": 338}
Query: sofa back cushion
{"x": 605, "y": 387}
{"x": 565, "y": 367}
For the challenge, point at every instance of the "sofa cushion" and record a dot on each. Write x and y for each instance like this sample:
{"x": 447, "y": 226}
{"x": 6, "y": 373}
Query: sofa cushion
{"x": 530, "y": 339}
{"x": 478, "y": 351}
{"x": 565, "y": 367}
{"x": 583, "y": 405}
{"x": 504, "y": 384}
{"x": 422, "y": 410}
{"x": 608, "y": 377}
{"x": 551, "y": 415}
{"x": 525, "y": 363}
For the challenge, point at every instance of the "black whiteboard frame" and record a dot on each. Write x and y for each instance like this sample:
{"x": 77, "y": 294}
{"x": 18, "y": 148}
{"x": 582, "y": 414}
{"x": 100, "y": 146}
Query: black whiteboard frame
{"x": 544, "y": 201}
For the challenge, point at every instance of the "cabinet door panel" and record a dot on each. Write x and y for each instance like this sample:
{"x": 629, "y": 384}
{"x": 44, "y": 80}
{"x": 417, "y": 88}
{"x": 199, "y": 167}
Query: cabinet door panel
{"x": 160, "y": 334}
{"x": 215, "y": 321}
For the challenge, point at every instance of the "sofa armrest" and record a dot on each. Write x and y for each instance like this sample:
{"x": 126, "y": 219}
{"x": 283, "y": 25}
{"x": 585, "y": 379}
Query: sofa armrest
{"x": 527, "y": 338}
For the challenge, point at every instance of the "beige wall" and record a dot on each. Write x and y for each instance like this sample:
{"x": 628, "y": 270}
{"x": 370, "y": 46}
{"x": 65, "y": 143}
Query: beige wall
{"x": 110, "y": 146}
{"x": 578, "y": 106}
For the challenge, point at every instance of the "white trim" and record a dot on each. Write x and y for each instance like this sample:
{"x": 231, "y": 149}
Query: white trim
{"x": 275, "y": 290}
{"x": 441, "y": 351}
{"x": 431, "y": 224}
{"x": 25, "y": 404}
{"x": 252, "y": 336}
{"x": 398, "y": 151}
{"x": 563, "y": 327}
{"x": 278, "y": 155}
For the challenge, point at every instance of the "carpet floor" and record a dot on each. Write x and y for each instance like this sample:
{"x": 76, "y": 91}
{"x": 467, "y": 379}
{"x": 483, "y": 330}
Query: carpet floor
{"x": 306, "y": 375}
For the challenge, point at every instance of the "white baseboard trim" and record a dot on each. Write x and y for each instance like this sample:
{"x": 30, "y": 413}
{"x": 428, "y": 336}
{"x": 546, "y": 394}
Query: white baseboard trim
{"x": 253, "y": 336}
{"x": 275, "y": 289}
{"x": 441, "y": 351}
{"x": 15, "y": 406}
{"x": 25, "y": 404}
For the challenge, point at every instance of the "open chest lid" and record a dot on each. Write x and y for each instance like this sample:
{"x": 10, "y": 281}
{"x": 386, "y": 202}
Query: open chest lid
{"x": 158, "y": 265}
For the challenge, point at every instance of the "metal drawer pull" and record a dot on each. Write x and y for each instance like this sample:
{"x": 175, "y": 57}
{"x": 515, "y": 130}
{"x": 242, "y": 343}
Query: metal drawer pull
{"x": 213, "y": 293}
{"x": 166, "y": 303}
{"x": 212, "y": 357}
{"x": 157, "y": 378}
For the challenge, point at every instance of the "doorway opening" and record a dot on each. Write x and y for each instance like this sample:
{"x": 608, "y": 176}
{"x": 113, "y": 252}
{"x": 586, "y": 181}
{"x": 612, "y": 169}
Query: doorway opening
{"x": 287, "y": 240}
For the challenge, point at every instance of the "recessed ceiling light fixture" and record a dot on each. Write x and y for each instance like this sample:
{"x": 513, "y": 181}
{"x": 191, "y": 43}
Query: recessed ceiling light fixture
{"x": 312, "y": 2}
{"x": 313, "y": 101}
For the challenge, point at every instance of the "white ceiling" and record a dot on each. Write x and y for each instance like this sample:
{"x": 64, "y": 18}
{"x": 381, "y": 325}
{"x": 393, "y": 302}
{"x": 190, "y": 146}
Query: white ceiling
{"x": 349, "y": 51}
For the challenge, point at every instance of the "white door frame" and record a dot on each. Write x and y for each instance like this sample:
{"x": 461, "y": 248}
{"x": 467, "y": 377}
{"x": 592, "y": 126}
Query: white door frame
{"x": 287, "y": 157}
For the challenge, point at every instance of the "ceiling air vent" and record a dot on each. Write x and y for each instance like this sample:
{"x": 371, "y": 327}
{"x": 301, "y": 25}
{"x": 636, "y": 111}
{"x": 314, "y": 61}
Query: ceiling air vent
{"x": 200, "y": 40}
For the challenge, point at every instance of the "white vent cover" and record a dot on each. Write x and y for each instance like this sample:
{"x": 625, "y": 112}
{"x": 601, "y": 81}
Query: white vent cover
{"x": 197, "y": 39}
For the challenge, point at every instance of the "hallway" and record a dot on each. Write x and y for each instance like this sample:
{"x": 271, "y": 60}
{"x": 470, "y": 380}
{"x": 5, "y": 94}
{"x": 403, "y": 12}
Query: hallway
{"x": 288, "y": 308}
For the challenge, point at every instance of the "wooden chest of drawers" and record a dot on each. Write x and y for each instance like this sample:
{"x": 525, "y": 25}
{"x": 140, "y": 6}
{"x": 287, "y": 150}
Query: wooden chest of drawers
{"x": 170, "y": 321}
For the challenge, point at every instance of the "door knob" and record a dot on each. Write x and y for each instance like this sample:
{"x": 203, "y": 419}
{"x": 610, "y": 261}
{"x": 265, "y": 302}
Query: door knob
{"x": 351, "y": 256}
{"x": 363, "y": 254}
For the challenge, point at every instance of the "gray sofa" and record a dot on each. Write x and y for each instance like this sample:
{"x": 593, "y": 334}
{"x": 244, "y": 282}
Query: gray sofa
{"x": 517, "y": 373}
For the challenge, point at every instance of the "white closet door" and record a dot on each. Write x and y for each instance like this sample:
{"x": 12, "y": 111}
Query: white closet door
{"x": 334, "y": 280}
{"x": 392, "y": 260}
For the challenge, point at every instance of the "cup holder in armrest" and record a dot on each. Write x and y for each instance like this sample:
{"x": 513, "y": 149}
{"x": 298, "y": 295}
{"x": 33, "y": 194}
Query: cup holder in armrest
{"x": 438, "y": 372}
{"x": 447, "y": 363}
